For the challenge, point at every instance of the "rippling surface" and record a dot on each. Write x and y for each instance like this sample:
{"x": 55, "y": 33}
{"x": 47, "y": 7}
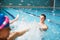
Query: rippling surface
{"x": 27, "y": 20}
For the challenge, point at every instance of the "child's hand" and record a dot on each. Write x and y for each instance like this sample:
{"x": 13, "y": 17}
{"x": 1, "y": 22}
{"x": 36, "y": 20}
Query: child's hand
{"x": 12, "y": 21}
{"x": 17, "y": 17}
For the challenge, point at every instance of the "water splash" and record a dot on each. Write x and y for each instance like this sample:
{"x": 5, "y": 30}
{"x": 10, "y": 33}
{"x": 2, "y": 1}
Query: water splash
{"x": 33, "y": 34}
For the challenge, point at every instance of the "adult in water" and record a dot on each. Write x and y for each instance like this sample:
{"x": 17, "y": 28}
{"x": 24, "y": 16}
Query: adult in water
{"x": 36, "y": 30}
{"x": 5, "y": 27}
{"x": 42, "y": 24}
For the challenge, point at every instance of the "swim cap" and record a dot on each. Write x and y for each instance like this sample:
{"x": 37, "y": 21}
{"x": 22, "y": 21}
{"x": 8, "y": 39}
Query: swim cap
{"x": 6, "y": 21}
{"x": 1, "y": 15}
{"x": 2, "y": 18}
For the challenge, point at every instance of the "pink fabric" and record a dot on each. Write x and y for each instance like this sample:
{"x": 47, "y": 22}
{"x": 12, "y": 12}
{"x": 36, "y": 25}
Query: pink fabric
{"x": 4, "y": 23}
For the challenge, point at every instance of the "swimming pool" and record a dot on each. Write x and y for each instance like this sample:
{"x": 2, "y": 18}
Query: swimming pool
{"x": 31, "y": 15}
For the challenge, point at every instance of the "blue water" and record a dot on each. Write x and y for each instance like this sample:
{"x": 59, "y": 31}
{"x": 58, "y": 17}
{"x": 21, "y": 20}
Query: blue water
{"x": 53, "y": 32}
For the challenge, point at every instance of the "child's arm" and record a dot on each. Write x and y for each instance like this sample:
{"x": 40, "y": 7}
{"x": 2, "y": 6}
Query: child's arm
{"x": 12, "y": 21}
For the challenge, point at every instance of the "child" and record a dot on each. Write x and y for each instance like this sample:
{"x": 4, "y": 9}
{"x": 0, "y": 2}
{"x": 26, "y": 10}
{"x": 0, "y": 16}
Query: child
{"x": 5, "y": 27}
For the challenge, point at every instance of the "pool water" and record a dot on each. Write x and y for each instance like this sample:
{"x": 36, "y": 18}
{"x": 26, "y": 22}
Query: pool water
{"x": 30, "y": 15}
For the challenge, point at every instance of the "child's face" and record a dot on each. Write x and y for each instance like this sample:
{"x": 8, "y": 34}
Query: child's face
{"x": 42, "y": 18}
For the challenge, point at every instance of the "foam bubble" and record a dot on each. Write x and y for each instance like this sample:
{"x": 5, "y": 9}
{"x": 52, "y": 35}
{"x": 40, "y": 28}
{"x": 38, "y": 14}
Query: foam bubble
{"x": 53, "y": 14}
{"x": 48, "y": 20}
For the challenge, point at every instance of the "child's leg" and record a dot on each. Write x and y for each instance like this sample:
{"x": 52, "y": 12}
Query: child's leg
{"x": 13, "y": 35}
